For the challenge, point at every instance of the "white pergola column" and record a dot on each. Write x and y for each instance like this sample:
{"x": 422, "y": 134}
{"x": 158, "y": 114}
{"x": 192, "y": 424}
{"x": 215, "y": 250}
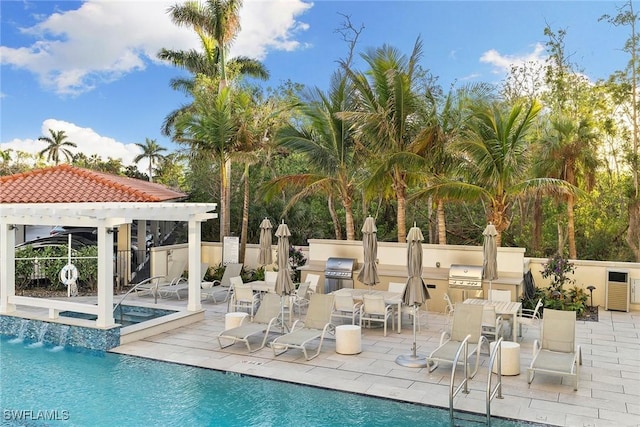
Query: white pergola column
{"x": 7, "y": 267}
{"x": 142, "y": 240}
{"x": 195, "y": 256}
{"x": 105, "y": 277}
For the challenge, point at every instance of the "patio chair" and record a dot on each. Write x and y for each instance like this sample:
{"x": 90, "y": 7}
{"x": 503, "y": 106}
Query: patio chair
{"x": 499, "y": 295}
{"x": 173, "y": 277}
{"x": 266, "y": 317}
{"x": 375, "y": 310}
{"x": 466, "y": 330}
{"x": 210, "y": 289}
{"x": 300, "y": 297}
{"x": 270, "y": 276}
{"x": 491, "y": 323}
{"x": 243, "y": 296}
{"x": 448, "y": 311}
{"x": 556, "y": 353}
{"x": 530, "y": 317}
{"x": 315, "y": 326}
{"x": 313, "y": 280}
{"x": 346, "y": 308}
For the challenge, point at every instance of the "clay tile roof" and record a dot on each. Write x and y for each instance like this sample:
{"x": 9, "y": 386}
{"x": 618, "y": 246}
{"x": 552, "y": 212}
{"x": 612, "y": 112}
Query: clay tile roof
{"x": 69, "y": 184}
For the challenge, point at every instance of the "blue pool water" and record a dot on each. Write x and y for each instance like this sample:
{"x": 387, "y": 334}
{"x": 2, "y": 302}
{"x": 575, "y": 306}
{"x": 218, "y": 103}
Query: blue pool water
{"x": 43, "y": 386}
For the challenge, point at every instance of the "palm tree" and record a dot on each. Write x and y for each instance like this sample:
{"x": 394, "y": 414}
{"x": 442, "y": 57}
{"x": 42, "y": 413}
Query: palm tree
{"x": 496, "y": 149}
{"x": 388, "y": 120}
{"x": 217, "y": 23}
{"x": 329, "y": 149}
{"x": 57, "y": 145}
{"x": 569, "y": 153}
{"x": 209, "y": 129}
{"x": 151, "y": 151}
{"x": 447, "y": 120}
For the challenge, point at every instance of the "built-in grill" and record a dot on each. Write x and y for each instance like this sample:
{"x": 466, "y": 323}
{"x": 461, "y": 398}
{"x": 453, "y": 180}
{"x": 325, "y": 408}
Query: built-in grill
{"x": 465, "y": 276}
{"x": 338, "y": 273}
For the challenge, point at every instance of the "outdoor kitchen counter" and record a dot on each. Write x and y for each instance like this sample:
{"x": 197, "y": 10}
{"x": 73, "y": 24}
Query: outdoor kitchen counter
{"x": 436, "y": 278}
{"x": 428, "y": 273}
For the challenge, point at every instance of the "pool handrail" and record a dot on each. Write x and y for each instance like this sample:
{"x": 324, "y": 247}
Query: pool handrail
{"x": 155, "y": 294}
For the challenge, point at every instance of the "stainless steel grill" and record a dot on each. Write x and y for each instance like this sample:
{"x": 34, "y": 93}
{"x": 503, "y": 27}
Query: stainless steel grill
{"x": 465, "y": 276}
{"x": 338, "y": 273}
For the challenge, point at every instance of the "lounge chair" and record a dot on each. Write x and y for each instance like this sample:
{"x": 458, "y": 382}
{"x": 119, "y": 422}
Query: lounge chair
{"x": 173, "y": 277}
{"x": 315, "y": 326}
{"x": 466, "y": 330}
{"x": 556, "y": 353}
{"x": 210, "y": 289}
{"x": 183, "y": 285}
{"x": 265, "y": 318}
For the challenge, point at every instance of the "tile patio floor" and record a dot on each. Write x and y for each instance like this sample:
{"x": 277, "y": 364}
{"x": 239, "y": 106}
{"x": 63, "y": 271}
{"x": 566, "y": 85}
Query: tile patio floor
{"x": 608, "y": 395}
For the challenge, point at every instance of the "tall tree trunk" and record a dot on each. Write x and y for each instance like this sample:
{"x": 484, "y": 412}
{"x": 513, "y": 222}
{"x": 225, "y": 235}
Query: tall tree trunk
{"x": 431, "y": 226}
{"x": 442, "y": 223}
{"x": 224, "y": 199}
{"x": 633, "y": 232}
{"x": 349, "y": 223}
{"x": 537, "y": 223}
{"x": 334, "y": 218}
{"x": 245, "y": 215}
{"x": 401, "y": 197}
{"x": 571, "y": 234}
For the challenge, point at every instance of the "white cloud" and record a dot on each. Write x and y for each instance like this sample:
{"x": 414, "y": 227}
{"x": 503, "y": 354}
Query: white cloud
{"x": 87, "y": 140}
{"x": 269, "y": 25}
{"x": 503, "y": 63}
{"x": 103, "y": 40}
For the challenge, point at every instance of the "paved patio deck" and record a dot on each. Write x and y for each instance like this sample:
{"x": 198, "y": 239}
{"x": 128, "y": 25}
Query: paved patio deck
{"x": 608, "y": 395}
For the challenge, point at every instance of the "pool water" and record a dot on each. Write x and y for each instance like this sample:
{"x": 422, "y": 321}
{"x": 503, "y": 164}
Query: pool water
{"x": 42, "y": 386}
{"x": 125, "y": 315}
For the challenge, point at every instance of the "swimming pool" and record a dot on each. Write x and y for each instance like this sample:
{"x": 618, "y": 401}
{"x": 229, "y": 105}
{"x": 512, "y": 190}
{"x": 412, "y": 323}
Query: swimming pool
{"x": 48, "y": 387}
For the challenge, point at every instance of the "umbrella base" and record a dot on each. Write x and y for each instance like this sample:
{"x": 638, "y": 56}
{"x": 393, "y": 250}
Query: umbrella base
{"x": 412, "y": 361}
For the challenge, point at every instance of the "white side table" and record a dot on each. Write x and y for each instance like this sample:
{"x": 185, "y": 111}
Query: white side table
{"x": 348, "y": 339}
{"x": 510, "y": 358}
{"x": 234, "y": 319}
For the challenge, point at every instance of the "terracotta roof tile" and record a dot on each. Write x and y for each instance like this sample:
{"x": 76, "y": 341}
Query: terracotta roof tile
{"x": 69, "y": 184}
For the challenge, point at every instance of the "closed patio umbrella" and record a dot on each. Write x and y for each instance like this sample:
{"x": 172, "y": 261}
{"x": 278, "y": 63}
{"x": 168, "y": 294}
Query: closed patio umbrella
{"x": 266, "y": 240}
{"x": 490, "y": 255}
{"x": 369, "y": 273}
{"x": 284, "y": 284}
{"x": 415, "y": 294}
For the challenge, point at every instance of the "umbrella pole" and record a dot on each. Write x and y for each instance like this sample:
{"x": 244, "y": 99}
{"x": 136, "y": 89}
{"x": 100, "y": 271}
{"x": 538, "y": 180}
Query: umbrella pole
{"x": 413, "y": 360}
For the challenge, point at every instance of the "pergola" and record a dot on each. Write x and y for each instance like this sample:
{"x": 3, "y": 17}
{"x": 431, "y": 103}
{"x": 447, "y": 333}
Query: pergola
{"x": 106, "y": 217}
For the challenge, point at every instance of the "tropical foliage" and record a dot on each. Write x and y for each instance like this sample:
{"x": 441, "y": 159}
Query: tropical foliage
{"x": 547, "y": 156}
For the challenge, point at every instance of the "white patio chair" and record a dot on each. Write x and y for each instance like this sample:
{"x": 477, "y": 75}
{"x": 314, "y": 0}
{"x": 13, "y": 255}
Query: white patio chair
{"x": 346, "y": 308}
{"x": 530, "y": 317}
{"x": 243, "y": 297}
{"x": 375, "y": 310}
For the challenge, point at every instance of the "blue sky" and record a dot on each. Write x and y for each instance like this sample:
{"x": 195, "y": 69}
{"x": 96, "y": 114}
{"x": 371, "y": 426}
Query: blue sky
{"x": 89, "y": 68}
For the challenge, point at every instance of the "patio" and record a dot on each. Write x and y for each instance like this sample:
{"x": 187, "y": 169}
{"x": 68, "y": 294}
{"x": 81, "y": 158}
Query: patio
{"x": 608, "y": 394}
